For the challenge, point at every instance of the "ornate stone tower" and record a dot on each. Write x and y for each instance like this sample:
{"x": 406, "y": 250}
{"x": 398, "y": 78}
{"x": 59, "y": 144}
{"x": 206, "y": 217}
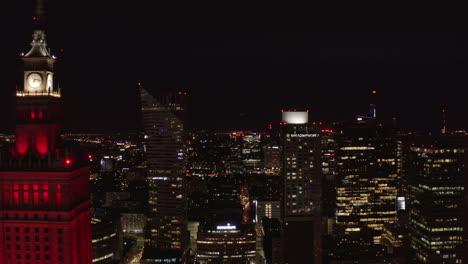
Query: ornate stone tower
{"x": 44, "y": 188}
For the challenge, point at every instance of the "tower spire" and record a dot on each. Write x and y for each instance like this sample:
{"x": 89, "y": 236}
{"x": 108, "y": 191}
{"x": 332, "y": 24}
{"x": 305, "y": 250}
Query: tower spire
{"x": 444, "y": 120}
{"x": 38, "y": 44}
{"x": 373, "y": 109}
{"x": 40, "y": 14}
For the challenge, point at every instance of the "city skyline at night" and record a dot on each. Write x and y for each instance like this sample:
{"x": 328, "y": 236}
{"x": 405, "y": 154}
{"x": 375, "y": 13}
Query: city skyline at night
{"x": 182, "y": 132}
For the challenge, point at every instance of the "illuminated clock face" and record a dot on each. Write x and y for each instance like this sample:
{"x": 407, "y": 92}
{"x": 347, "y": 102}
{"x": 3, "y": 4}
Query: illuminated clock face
{"x": 50, "y": 82}
{"x": 34, "y": 80}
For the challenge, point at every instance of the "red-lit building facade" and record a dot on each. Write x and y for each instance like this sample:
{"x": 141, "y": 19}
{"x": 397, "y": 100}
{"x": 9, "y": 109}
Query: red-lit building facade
{"x": 45, "y": 215}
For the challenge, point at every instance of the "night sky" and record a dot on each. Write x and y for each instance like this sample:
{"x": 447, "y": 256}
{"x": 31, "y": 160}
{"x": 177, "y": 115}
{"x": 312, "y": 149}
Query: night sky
{"x": 244, "y": 61}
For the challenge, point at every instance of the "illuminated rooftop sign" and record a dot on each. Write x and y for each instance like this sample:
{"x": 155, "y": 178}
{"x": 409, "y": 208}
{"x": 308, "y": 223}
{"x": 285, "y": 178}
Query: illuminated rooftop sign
{"x": 226, "y": 227}
{"x": 296, "y": 117}
{"x": 305, "y": 135}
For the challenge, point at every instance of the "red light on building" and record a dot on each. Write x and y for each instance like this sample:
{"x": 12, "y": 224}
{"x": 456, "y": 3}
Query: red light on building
{"x": 90, "y": 156}
{"x": 374, "y": 91}
{"x": 49, "y": 200}
{"x": 42, "y": 142}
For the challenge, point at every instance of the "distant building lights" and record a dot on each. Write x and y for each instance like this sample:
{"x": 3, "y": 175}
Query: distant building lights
{"x": 226, "y": 227}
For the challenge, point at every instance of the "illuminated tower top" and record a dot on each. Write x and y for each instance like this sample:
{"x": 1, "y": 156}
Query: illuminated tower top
{"x": 39, "y": 45}
{"x": 38, "y": 62}
{"x": 38, "y": 144}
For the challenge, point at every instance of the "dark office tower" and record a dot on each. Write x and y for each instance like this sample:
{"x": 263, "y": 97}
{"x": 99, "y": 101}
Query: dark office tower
{"x": 366, "y": 193}
{"x": 301, "y": 204}
{"x": 44, "y": 197}
{"x": 436, "y": 169}
{"x": 163, "y": 121}
{"x": 328, "y": 178}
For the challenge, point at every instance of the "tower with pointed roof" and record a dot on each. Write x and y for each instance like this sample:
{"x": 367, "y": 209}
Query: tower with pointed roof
{"x": 45, "y": 212}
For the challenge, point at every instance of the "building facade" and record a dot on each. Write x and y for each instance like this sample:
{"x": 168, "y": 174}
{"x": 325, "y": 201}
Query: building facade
{"x": 269, "y": 209}
{"x": 226, "y": 242}
{"x": 436, "y": 171}
{"x": 106, "y": 238}
{"x": 366, "y": 192}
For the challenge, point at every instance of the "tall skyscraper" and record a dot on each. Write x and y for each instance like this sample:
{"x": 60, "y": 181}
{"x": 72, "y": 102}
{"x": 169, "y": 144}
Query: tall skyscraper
{"x": 366, "y": 193}
{"x": 301, "y": 204}
{"x": 437, "y": 175}
{"x": 163, "y": 121}
{"x": 44, "y": 197}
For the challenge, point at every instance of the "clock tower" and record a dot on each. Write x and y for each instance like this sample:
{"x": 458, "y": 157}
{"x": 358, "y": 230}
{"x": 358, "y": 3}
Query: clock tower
{"x": 38, "y": 98}
{"x": 39, "y": 68}
{"x": 45, "y": 210}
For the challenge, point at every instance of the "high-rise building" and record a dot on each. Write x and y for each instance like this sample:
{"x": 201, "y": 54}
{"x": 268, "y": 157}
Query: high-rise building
{"x": 45, "y": 212}
{"x": 436, "y": 170}
{"x": 366, "y": 193}
{"x": 163, "y": 121}
{"x": 107, "y": 237}
{"x": 272, "y": 160}
{"x": 328, "y": 178}
{"x": 301, "y": 203}
{"x": 224, "y": 238}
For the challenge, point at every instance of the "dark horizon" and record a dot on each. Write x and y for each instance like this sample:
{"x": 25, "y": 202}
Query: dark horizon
{"x": 242, "y": 65}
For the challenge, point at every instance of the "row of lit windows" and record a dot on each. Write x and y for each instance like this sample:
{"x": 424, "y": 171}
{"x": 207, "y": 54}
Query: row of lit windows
{"x": 30, "y": 196}
{"x": 436, "y": 151}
